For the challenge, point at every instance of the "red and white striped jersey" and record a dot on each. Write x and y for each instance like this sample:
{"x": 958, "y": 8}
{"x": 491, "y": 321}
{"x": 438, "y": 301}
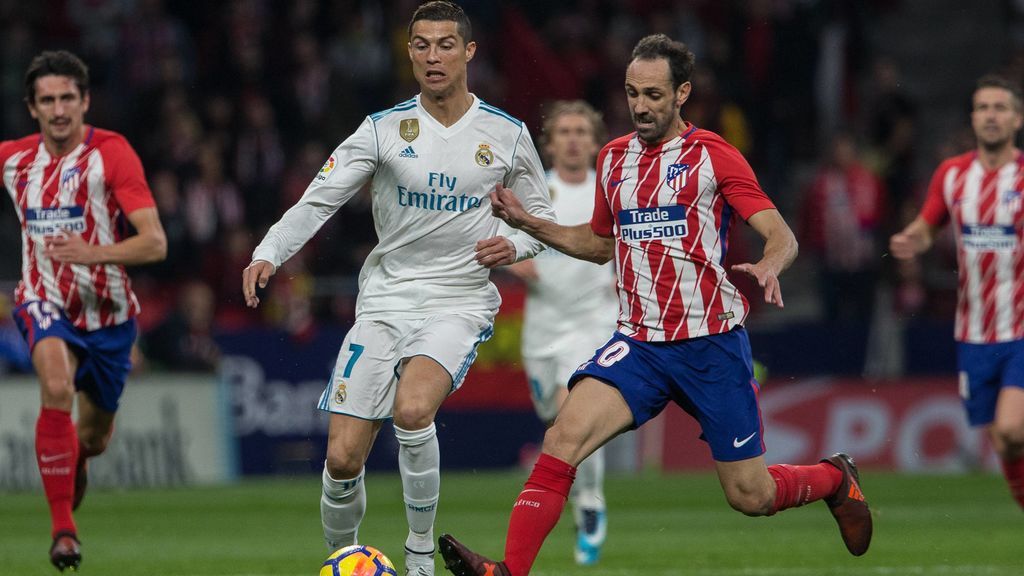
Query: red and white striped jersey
{"x": 988, "y": 223}
{"x": 89, "y": 191}
{"x": 669, "y": 207}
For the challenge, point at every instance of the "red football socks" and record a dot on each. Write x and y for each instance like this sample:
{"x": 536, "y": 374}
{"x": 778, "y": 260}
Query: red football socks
{"x": 56, "y": 455}
{"x": 536, "y": 511}
{"x": 1013, "y": 470}
{"x": 798, "y": 485}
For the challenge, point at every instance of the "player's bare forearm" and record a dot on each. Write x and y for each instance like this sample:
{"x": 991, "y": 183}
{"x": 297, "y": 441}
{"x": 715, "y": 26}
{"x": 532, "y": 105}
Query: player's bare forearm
{"x": 780, "y": 245}
{"x": 915, "y": 239}
{"x": 780, "y": 249}
{"x": 139, "y": 249}
{"x": 578, "y": 241}
{"x": 148, "y": 245}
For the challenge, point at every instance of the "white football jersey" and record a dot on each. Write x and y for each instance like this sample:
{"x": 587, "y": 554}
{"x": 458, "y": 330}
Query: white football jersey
{"x": 572, "y": 299}
{"x": 430, "y": 206}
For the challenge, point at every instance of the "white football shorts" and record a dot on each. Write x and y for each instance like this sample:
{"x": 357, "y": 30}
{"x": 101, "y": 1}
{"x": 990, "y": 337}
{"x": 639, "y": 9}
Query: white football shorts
{"x": 549, "y": 374}
{"x": 369, "y": 364}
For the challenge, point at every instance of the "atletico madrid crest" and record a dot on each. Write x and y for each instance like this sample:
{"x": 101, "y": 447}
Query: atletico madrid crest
{"x": 1011, "y": 199}
{"x": 70, "y": 180}
{"x": 677, "y": 176}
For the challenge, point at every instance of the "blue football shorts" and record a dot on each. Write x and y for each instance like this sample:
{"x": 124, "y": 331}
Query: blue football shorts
{"x": 984, "y": 370}
{"x": 711, "y": 378}
{"x": 104, "y": 355}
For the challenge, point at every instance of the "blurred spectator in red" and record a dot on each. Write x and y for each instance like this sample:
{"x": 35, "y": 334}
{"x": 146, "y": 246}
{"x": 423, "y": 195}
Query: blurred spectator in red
{"x": 289, "y": 304}
{"x": 184, "y": 342}
{"x": 310, "y": 82}
{"x": 219, "y": 121}
{"x": 842, "y": 214}
{"x": 180, "y": 251}
{"x": 259, "y": 160}
{"x": 212, "y": 202}
{"x": 709, "y": 109}
{"x": 236, "y": 246}
{"x": 149, "y": 35}
{"x": 891, "y": 126}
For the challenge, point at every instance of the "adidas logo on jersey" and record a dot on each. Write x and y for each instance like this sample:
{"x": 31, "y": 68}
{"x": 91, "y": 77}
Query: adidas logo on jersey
{"x": 408, "y": 153}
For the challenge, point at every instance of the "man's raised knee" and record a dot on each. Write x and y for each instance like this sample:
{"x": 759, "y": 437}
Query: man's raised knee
{"x": 57, "y": 392}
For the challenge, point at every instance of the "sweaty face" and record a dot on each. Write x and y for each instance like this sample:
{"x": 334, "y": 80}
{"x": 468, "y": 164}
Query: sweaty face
{"x": 59, "y": 107}
{"x": 572, "y": 142}
{"x": 996, "y": 118}
{"x": 439, "y": 56}
{"x": 653, "y": 104}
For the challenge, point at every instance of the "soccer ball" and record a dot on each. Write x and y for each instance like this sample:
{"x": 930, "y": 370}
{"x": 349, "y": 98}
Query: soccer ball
{"x": 357, "y": 560}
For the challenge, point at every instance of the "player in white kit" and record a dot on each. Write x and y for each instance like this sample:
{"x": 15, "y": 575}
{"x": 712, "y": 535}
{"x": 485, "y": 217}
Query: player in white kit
{"x": 570, "y": 304}
{"x": 425, "y": 301}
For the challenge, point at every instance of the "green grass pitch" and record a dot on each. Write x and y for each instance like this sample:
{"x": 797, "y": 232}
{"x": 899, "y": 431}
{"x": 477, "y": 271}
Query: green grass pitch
{"x": 659, "y": 525}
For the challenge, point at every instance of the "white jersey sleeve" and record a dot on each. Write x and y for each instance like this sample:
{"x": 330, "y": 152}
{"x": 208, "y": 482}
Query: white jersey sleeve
{"x": 347, "y": 170}
{"x": 526, "y": 179}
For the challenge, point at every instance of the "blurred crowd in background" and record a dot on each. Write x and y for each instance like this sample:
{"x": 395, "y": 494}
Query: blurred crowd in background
{"x": 234, "y": 106}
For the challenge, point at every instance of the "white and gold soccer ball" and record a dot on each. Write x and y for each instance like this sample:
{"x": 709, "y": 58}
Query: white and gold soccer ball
{"x": 357, "y": 560}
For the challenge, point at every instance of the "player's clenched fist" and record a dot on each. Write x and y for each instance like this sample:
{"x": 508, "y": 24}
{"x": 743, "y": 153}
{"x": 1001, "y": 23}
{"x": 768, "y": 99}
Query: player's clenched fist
{"x": 259, "y": 272}
{"x": 506, "y": 206}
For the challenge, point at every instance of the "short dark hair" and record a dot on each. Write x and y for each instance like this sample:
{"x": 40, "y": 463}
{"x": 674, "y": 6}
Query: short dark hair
{"x": 444, "y": 11}
{"x": 56, "y": 63}
{"x": 680, "y": 59}
{"x": 998, "y": 81}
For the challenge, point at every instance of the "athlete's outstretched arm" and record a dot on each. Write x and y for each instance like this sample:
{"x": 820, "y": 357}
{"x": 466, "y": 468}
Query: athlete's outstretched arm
{"x": 351, "y": 165}
{"x": 149, "y": 244}
{"x": 915, "y": 239}
{"x": 578, "y": 241}
{"x": 780, "y": 249}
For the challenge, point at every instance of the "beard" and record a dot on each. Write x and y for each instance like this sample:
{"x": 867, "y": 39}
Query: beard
{"x": 656, "y": 131}
{"x": 995, "y": 145}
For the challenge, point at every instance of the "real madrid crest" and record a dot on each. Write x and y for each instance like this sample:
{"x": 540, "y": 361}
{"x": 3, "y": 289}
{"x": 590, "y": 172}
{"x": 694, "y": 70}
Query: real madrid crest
{"x": 409, "y": 129}
{"x": 484, "y": 156}
{"x": 340, "y": 394}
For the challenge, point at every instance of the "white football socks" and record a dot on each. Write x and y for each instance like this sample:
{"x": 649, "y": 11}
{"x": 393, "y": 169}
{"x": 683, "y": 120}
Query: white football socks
{"x": 342, "y": 505}
{"x": 419, "y": 461}
{"x": 588, "y": 490}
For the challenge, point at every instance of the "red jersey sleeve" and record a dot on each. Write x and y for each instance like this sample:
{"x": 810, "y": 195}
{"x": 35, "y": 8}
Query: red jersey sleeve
{"x": 125, "y": 176}
{"x": 736, "y": 180}
{"x": 935, "y": 212}
{"x": 602, "y": 222}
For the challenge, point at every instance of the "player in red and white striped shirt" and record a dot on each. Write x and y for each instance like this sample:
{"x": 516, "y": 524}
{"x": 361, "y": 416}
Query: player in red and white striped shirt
{"x": 980, "y": 193}
{"x": 74, "y": 187}
{"x": 665, "y": 197}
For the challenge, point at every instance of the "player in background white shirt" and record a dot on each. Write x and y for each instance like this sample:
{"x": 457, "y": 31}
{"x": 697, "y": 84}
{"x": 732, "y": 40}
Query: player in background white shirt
{"x": 570, "y": 304}
{"x": 425, "y": 300}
